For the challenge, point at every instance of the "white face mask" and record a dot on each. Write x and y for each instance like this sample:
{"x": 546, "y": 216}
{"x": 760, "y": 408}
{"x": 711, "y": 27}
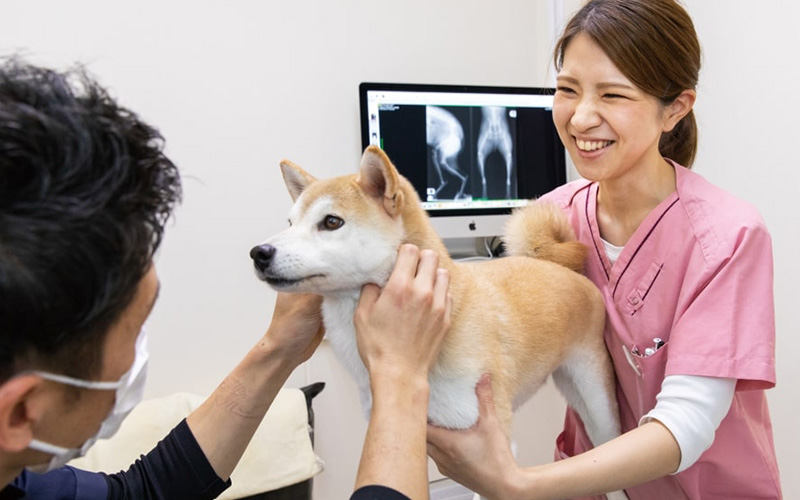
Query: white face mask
{"x": 130, "y": 391}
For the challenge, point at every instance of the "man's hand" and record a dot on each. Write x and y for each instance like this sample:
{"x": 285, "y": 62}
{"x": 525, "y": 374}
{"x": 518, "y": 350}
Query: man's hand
{"x": 296, "y": 329}
{"x": 402, "y": 326}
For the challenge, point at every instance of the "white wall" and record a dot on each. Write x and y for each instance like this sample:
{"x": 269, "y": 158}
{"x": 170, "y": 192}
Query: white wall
{"x": 236, "y": 86}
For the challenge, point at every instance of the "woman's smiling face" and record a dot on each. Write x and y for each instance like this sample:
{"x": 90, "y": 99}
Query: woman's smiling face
{"x": 610, "y": 127}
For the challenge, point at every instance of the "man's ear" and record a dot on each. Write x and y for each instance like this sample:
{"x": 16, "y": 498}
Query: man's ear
{"x": 677, "y": 109}
{"x": 19, "y": 411}
{"x": 296, "y": 179}
{"x": 380, "y": 179}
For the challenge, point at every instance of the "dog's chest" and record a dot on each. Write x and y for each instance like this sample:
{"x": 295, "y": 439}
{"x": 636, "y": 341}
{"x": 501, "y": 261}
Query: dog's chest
{"x": 337, "y": 314}
{"x": 453, "y": 402}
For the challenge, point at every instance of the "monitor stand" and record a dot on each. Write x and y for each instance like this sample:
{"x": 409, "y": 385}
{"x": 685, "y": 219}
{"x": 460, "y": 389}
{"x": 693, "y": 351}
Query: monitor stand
{"x": 468, "y": 248}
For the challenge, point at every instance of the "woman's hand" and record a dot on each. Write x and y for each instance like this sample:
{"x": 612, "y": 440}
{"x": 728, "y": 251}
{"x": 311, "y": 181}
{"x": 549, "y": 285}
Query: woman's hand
{"x": 479, "y": 458}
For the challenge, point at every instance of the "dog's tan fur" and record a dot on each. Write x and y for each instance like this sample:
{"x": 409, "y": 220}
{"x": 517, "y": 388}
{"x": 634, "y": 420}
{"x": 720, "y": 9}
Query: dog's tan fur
{"x": 519, "y": 318}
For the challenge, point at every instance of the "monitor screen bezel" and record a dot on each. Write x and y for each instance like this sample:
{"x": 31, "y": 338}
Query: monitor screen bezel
{"x": 366, "y": 87}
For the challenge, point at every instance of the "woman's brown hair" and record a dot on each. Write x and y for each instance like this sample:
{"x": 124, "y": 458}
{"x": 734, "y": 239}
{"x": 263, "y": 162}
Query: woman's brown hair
{"x": 654, "y": 44}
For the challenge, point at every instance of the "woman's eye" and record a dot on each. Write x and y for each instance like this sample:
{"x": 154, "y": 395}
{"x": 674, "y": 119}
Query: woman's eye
{"x": 614, "y": 96}
{"x": 331, "y": 223}
{"x": 565, "y": 90}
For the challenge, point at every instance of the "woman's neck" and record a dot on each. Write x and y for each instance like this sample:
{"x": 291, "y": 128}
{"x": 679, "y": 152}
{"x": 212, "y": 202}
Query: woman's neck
{"x": 623, "y": 203}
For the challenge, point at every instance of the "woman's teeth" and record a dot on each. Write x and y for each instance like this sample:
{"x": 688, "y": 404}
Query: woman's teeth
{"x": 591, "y": 145}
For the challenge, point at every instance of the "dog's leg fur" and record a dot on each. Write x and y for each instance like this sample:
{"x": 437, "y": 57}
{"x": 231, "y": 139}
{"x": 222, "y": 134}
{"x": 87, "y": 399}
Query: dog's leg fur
{"x": 587, "y": 385}
{"x": 588, "y": 388}
{"x": 455, "y": 397}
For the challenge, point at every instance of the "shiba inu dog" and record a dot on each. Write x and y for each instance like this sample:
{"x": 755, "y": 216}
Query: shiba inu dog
{"x": 521, "y": 317}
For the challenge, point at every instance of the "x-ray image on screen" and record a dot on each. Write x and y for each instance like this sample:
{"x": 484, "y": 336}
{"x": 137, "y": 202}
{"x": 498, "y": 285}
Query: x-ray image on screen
{"x": 470, "y": 152}
{"x": 496, "y": 136}
{"x": 445, "y": 137}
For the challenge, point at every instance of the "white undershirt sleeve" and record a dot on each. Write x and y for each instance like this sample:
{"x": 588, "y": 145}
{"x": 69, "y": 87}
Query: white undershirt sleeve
{"x": 692, "y": 407}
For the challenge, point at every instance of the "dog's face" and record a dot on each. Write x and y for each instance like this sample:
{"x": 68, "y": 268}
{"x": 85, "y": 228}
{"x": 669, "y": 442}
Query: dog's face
{"x": 344, "y": 232}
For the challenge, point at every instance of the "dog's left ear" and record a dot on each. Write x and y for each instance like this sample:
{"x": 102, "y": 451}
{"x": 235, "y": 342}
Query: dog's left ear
{"x": 380, "y": 179}
{"x": 296, "y": 179}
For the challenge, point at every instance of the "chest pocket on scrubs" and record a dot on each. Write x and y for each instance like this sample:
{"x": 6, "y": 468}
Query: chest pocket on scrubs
{"x": 637, "y": 296}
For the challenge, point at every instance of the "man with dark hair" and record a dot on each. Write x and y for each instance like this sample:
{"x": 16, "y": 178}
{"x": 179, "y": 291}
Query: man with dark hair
{"x": 85, "y": 192}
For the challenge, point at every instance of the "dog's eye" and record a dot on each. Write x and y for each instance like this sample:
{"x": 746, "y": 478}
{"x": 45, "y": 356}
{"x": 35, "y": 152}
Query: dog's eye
{"x": 290, "y": 222}
{"x": 331, "y": 223}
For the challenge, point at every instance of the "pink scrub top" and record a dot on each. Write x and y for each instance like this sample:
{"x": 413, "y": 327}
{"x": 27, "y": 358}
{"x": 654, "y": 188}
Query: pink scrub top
{"x": 697, "y": 275}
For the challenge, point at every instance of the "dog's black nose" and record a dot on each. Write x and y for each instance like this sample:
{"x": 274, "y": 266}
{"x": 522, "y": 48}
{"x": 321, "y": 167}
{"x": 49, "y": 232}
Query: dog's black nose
{"x": 262, "y": 256}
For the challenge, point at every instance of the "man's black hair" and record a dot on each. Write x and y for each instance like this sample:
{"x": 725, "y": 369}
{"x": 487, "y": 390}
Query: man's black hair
{"x": 85, "y": 192}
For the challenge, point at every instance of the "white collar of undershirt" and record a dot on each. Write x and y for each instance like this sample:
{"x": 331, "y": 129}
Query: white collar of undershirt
{"x": 612, "y": 251}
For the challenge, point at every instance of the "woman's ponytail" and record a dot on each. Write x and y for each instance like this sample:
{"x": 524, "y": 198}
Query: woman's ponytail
{"x": 680, "y": 143}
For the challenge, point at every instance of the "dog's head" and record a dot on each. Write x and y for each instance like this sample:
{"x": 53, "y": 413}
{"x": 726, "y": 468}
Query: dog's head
{"x": 343, "y": 232}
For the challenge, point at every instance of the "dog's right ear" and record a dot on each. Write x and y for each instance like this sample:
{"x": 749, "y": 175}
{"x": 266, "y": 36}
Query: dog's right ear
{"x": 379, "y": 179}
{"x": 296, "y": 179}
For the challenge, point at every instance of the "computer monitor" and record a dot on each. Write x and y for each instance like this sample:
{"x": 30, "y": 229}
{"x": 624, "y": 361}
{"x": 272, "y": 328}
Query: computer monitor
{"x": 473, "y": 153}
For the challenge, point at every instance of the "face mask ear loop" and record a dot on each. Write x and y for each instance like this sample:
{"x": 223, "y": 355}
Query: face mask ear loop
{"x": 76, "y": 382}
{"x": 52, "y": 449}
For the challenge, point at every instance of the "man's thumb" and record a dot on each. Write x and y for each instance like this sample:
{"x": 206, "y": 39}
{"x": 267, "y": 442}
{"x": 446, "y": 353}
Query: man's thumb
{"x": 369, "y": 295}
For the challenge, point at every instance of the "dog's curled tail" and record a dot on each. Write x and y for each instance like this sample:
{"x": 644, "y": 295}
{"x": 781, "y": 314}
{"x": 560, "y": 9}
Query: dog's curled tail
{"x": 541, "y": 230}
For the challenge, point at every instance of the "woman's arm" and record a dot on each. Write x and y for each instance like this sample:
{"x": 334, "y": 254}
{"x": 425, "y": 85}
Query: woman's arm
{"x": 640, "y": 455}
{"x": 480, "y": 458}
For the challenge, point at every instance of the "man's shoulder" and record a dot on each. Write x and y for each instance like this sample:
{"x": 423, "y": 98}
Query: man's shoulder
{"x": 65, "y": 483}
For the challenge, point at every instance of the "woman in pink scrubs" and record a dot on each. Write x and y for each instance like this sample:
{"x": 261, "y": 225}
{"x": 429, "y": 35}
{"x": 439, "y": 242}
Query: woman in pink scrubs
{"x": 686, "y": 272}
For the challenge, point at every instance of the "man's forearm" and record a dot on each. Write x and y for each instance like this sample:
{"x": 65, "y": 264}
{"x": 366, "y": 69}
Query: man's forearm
{"x": 394, "y": 452}
{"x": 224, "y": 424}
